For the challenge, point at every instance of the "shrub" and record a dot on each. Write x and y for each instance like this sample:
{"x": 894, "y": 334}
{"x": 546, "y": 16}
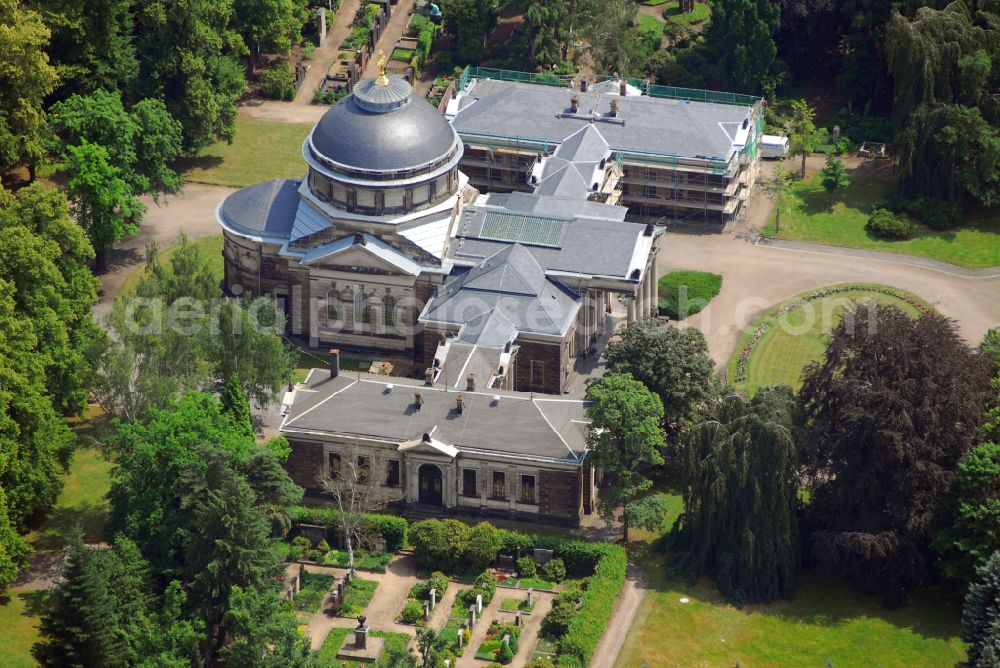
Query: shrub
{"x": 556, "y": 622}
{"x": 527, "y": 567}
{"x": 308, "y": 50}
{"x": 422, "y": 590}
{"x": 439, "y": 544}
{"x": 302, "y": 542}
{"x": 540, "y": 662}
{"x": 505, "y": 655}
{"x": 277, "y": 83}
{"x": 482, "y": 545}
{"x": 554, "y": 570}
{"x": 485, "y": 584}
{"x": 514, "y": 542}
{"x": 588, "y": 624}
{"x": 884, "y": 224}
{"x": 684, "y": 293}
{"x": 412, "y": 613}
{"x": 393, "y": 529}
{"x": 323, "y": 546}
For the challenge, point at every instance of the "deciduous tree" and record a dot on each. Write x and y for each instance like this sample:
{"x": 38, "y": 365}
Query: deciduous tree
{"x": 357, "y": 488}
{"x": 892, "y": 408}
{"x": 834, "y": 175}
{"x": 802, "y": 131}
{"x": 625, "y": 438}
{"x": 740, "y": 495}
{"x": 670, "y": 361}
{"x": 26, "y": 78}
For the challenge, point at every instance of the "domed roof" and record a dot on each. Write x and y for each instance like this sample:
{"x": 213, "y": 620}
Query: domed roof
{"x": 382, "y": 127}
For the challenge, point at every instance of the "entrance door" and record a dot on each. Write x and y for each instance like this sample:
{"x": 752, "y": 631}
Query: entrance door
{"x": 430, "y": 491}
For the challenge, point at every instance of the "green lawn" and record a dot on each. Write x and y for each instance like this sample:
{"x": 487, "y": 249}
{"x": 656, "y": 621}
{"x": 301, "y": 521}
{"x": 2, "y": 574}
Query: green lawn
{"x": 681, "y": 294}
{"x": 827, "y": 619}
{"x": 209, "y": 247}
{"x": 814, "y": 215}
{"x": 81, "y": 501}
{"x": 797, "y": 338}
{"x": 357, "y": 595}
{"x": 19, "y": 618}
{"x": 699, "y": 15}
{"x": 649, "y": 23}
{"x": 327, "y": 654}
{"x": 311, "y": 594}
{"x": 262, "y": 150}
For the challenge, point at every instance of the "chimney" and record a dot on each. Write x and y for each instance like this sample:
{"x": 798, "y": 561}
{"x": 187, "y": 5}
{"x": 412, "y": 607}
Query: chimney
{"x": 648, "y": 232}
{"x": 614, "y": 108}
{"x": 574, "y": 104}
{"x": 460, "y": 404}
{"x": 429, "y": 376}
{"x": 583, "y": 85}
{"x": 359, "y": 239}
{"x": 334, "y": 362}
{"x": 622, "y": 88}
{"x": 418, "y": 399}
{"x": 470, "y": 383}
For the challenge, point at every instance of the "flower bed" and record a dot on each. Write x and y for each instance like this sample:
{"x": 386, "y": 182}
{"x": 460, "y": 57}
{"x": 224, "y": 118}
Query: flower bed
{"x": 490, "y": 649}
{"x": 746, "y": 351}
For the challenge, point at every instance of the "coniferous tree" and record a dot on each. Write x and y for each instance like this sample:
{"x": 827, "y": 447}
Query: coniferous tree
{"x": 78, "y": 630}
{"x": 740, "y": 495}
{"x": 742, "y": 32}
{"x": 235, "y": 404}
{"x": 892, "y": 408}
{"x": 981, "y": 615}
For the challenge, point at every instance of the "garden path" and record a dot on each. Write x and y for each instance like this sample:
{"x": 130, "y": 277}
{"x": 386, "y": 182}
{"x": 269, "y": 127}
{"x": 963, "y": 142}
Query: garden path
{"x": 622, "y": 618}
{"x": 490, "y": 612}
{"x": 532, "y": 622}
{"x": 393, "y": 31}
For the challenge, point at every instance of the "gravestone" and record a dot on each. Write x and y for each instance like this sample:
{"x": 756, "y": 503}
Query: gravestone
{"x": 542, "y": 556}
{"x": 472, "y": 616}
{"x": 506, "y": 639}
{"x": 427, "y": 610}
{"x": 313, "y": 532}
{"x": 461, "y": 637}
{"x": 347, "y": 576}
{"x": 517, "y": 618}
{"x": 433, "y": 598}
{"x": 531, "y": 597}
{"x": 479, "y": 603}
{"x": 505, "y": 561}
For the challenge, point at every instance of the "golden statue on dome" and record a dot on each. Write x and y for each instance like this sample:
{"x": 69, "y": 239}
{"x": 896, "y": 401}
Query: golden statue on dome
{"x": 382, "y": 79}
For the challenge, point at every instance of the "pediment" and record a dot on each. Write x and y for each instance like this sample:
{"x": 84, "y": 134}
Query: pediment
{"x": 428, "y": 446}
{"x": 356, "y": 257}
{"x": 362, "y": 251}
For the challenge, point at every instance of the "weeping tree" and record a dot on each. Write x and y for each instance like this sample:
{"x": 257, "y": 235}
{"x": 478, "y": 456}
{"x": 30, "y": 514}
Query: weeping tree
{"x": 740, "y": 495}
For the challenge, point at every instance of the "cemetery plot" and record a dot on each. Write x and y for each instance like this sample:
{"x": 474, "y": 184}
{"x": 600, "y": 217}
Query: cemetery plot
{"x": 517, "y": 605}
{"x": 501, "y": 643}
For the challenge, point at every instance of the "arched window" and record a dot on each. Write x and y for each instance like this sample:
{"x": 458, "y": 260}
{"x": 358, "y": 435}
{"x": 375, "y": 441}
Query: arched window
{"x": 389, "y": 310}
{"x": 367, "y": 311}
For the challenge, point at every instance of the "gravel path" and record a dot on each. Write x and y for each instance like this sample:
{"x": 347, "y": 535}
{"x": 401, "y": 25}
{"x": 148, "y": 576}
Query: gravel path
{"x": 626, "y": 607}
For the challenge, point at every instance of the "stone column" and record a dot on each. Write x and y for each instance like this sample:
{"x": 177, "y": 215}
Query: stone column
{"x": 631, "y": 310}
{"x": 652, "y": 288}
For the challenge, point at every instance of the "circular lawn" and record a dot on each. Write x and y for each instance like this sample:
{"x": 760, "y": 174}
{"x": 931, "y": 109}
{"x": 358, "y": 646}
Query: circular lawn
{"x": 779, "y": 345}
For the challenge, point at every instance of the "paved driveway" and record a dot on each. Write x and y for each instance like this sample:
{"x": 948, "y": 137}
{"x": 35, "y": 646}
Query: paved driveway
{"x": 756, "y": 277}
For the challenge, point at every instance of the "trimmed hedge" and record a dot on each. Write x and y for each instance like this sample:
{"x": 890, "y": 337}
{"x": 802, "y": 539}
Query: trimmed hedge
{"x": 394, "y": 530}
{"x": 577, "y": 646}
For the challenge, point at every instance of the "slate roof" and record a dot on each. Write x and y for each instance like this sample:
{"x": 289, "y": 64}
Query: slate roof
{"x": 407, "y": 137}
{"x": 512, "y": 282}
{"x": 262, "y": 210}
{"x": 645, "y": 124}
{"x": 518, "y": 425}
{"x": 590, "y": 246}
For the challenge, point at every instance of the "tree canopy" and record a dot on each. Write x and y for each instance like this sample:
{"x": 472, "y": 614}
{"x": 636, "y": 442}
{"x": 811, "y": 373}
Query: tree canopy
{"x": 740, "y": 495}
{"x": 981, "y": 615}
{"x": 742, "y": 33}
{"x": 894, "y": 405}
{"x": 625, "y": 438}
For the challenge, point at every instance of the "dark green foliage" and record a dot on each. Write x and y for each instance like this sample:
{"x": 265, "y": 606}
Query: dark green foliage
{"x": 470, "y": 21}
{"x": 79, "y": 629}
{"x": 186, "y": 58}
{"x": 506, "y": 654}
{"x": 422, "y": 590}
{"x": 671, "y": 362}
{"x": 559, "y": 616}
{"x": 981, "y": 615}
{"x": 13, "y": 549}
{"x": 270, "y": 26}
{"x": 834, "y": 175}
{"x": 439, "y": 544}
{"x": 625, "y": 438}
{"x": 740, "y": 488}
{"x": 588, "y": 624}
{"x": 968, "y": 541}
{"x": 277, "y": 82}
{"x": 990, "y": 348}
{"x": 554, "y": 569}
{"x": 684, "y": 293}
{"x": 393, "y": 529}
{"x": 892, "y": 408}
{"x": 263, "y": 633}
{"x": 482, "y": 544}
{"x": 413, "y": 612}
{"x": 742, "y": 34}
{"x": 235, "y": 405}
{"x": 527, "y": 567}
{"x": 486, "y": 585}
{"x": 884, "y": 224}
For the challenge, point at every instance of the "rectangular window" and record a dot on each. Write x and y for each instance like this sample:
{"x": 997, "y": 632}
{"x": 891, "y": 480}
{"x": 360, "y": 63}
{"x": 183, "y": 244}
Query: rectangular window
{"x": 364, "y": 469}
{"x": 537, "y": 372}
{"x": 499, "y": 485}
{"x": 333, "y": 465}
{"x": 469, "y": 482}
{"x": 392, "y": 473}
{"x": 651, "y": 191}
{"x": 527, "y": 489}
